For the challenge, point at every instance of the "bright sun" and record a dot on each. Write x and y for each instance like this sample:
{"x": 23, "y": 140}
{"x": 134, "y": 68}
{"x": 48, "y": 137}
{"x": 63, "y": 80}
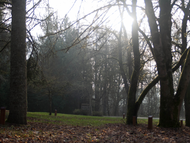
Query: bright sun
{"x": 127, "y": 21}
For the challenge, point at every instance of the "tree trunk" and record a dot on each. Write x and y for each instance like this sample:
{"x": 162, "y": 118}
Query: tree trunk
{"x": 184, "y": 46}
{"x": 115, "y": 110}
{"x": 162, "y": 52}
{"x": 187, "y": 107}
{"x": 105, "y": 82}
{"x": 182, "y": 87}
{"x": 167, "y": 117}
{"x": 104, "y": 98}
{"x": 96, "y": 84}
{"x": 136, "y": 71}
{"x": 97, "y": 98}
{"x": 18, "y": 85}
{"x": 50, "y": 102}
{"x": 131, "y": 92}
{"x": 90, "y": 99}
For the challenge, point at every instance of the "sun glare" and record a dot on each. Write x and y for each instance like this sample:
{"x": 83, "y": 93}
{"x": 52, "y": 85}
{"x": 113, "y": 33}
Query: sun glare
{"x": 72, "y": 8}
{"x": 127, "y": 22}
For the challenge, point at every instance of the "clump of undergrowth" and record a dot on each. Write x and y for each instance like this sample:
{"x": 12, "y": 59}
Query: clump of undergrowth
{"x": 80, "y": 112}
{"x": 97, "y": 113}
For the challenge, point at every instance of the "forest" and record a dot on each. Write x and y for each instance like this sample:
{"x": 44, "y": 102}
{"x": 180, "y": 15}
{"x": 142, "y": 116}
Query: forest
{"x": 90, "y": 68}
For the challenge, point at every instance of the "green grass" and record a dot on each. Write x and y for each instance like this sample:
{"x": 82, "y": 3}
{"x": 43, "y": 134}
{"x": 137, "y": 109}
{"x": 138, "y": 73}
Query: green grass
{"x": 145, "y": 121}
{"x": 80, "y": 120}
{"x": 72, "y": 119}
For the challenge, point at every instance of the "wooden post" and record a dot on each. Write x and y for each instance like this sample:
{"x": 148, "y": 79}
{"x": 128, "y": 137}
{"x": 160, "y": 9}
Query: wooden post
{"x": 181, "y": 123}
{"x": 2, "y": 116}
{"x": 134, "y": 120}
{"x": 55, "y": 112}
{"x": 123, "y": 115}
{"x": 150, "y": 122}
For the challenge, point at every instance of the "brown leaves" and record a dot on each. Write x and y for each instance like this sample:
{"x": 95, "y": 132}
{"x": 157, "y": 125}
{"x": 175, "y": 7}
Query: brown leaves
{"x": 42, "y": 132}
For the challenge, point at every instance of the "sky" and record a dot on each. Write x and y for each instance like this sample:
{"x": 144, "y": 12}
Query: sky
{"x": 85, "y": 7}
{"x": 78, "y": 8}
{"x": 72, "y": 7}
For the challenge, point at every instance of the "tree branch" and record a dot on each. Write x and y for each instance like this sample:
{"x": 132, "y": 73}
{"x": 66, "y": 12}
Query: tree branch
{"x": 155, "y": 80}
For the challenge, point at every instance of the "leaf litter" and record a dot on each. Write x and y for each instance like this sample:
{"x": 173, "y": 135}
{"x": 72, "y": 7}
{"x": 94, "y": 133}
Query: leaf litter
{"x": 37, "y": 132}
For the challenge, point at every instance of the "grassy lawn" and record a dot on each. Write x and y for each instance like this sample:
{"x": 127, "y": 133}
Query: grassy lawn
{"x": 80, "y": 120}
{"x": 67, "y": 119}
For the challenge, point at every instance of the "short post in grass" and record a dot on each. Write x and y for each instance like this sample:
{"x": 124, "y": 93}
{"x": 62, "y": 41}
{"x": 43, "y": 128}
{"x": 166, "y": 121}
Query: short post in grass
{"x": 181, "y": 123}
{"x": 2, "y": 116}
{"x": 55, "y": 112}
{"x": 134, "y": 120}
{"x": 150, "y": 122}
{"x": 123, "y": 115}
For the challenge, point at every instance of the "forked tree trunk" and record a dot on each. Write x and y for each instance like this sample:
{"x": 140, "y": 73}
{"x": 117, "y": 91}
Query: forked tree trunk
{"x": 159, "y": 43}
{"x": 170, "y": 104}
{"x": 162, "y": 54}
{"x": 18, "y": 85}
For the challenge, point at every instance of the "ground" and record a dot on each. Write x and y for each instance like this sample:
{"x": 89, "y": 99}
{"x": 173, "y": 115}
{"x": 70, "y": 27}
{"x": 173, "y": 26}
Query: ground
{"x": 36, "y": 132}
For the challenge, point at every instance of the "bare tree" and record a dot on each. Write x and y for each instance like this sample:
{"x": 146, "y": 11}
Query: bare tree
{"x": 170, "y": 104}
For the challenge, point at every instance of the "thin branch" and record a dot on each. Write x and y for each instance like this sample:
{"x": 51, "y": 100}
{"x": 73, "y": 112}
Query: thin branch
{"x": 107, "y": 6}
{"x": 5, "y": 46}
{"x": 148, "y": 41}
{"x": 34, "y": 6}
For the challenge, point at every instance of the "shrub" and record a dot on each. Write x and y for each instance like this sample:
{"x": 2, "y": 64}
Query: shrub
{"x": 97, "y": 113}
{"x": 80, "y": 112}
{"x": 77, "y": 111}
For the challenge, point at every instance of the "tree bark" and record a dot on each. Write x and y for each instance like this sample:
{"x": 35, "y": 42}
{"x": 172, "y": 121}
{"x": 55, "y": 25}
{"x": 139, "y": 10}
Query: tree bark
{"x": 164, "y": 65}
{"x": 184, "y": 46}
{"x": 136, "y": 71}
{"x": 187, "y": 107}
{"x": 18, "y": 83}
{"x": 182, "y": 87}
